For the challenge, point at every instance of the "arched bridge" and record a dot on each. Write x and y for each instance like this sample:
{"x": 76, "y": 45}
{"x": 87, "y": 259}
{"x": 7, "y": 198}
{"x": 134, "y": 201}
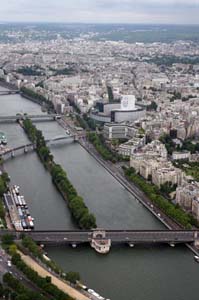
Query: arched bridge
{"x": 18, "y": 117}
{"x": 12, "y": 152}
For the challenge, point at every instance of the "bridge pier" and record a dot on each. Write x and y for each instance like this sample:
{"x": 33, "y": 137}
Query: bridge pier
{"x": 13, "y": 154}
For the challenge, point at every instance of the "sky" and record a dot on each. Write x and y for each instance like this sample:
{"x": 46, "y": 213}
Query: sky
{"x": 101, "y": 11}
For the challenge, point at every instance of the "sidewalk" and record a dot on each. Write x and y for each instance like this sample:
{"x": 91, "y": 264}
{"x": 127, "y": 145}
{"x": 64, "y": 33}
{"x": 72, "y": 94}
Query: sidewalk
{"x": 66, "y": 288}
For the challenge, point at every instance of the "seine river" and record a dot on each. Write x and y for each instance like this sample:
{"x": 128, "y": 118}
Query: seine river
{"x": 141, "y": 273}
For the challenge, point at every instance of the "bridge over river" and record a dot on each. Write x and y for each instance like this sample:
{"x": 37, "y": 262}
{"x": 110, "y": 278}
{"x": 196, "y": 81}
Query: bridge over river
{"x": 10, "y": 92}
{"x": 12, "y": 152}
{"x": 101, "y": 240}
{"x": 20, "y": 117}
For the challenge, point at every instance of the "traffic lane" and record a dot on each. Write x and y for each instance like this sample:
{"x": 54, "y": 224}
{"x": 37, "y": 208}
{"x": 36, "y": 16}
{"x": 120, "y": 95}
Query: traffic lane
{"x": 4, "y": 268}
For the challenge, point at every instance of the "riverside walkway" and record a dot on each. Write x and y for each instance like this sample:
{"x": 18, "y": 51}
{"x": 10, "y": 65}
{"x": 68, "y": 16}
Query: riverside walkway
{"x": 62, "y": 285}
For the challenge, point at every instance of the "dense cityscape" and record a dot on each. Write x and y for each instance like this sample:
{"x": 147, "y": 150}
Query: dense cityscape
{"x": 99, "y": 161}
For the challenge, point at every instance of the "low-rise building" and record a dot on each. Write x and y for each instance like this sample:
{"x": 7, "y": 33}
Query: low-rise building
{"x": 119, "y": 131}
{"x": 132, "y": 145}
{"x": 187, "y": 197}
{"x": 167, "y": 173}
{"x": 181, "y": 155}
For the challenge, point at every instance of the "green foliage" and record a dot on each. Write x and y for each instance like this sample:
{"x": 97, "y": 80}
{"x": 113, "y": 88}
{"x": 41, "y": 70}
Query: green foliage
{"x": 73, "y": 277}
{"x": 189, "y": 146}
{"x": 22, "y": 292}
{"x": 173, "y": 211}
{"x": 82, "y": 123}
{"x": 4, "y": 179}
{"x": 176, "y": 96}
{"x": 65, "y": 71}
{"x": 190, "y": 168}
{"x": 141, "y": 131}
{"x": 42, "y": 283}
{"x": 80, "y": 212}
{"x": 76, "y": 204}
{"x": 98, "y": 141}
{"x": 168, "y": 142}
{"x": 169, "y": 60}
{"x": 36, "y": 251}
{"x": 186, "y": 145}
{"x": 28, "y": 243}
{"x": 85, "y": 122}
{"x": 187, "y": 98}
{"x": 167, "y": 188}
{"x": 37, "y": 138}
{"x": 7, "y": 239}
{"x": 12, "y": 249}
{"x": 152, "y": 106}
{"x": 29, "y": 71}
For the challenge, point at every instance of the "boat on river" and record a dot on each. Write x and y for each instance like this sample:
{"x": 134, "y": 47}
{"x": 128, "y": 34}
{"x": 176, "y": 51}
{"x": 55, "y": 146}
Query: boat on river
{"x": 196, "y": 257}
{"x": 3, "y": 139}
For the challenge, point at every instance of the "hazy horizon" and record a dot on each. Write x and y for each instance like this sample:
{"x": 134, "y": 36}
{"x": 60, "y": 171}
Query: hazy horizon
{"x": 152, "y": 12}
{"x": 96, "y": 23}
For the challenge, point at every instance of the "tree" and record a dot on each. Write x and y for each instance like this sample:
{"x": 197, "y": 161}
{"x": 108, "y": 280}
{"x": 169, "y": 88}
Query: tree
{"x": 78, "y": 208}
{"x": 152, "y": 106}
{"x": 73, "y": 277}
{"x": 48, "y": 279}
{"x": 7, "y": 239}
{"x": 12, "y": 249}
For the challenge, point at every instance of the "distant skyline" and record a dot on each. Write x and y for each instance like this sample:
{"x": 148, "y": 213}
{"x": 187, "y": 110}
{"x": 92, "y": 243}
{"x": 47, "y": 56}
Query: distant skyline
{"x": 101, "y": 11}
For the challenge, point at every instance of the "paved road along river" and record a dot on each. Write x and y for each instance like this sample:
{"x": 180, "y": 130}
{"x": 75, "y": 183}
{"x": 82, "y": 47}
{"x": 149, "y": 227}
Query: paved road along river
{"x": 131, "y": 274}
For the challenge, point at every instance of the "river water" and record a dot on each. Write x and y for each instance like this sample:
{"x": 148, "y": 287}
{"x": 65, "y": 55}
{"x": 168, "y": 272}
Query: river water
{"x": 150, "y": 273}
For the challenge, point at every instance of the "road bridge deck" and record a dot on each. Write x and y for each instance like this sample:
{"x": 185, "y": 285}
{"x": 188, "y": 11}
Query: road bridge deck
{"x": 35, "y": 117}
{"x": 116, "y": 236}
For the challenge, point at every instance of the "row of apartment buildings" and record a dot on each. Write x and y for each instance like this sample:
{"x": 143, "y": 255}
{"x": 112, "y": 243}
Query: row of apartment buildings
{"x": 151, "y": 163}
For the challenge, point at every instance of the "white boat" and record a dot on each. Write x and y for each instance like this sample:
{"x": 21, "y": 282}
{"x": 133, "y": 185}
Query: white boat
{"x": 196, "y": 258}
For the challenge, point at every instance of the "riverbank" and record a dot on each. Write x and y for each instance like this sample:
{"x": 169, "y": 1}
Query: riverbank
{"x": 114, "y": 208}
{"x": 63, "y": 286}
{"x": 138, "y": 194}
